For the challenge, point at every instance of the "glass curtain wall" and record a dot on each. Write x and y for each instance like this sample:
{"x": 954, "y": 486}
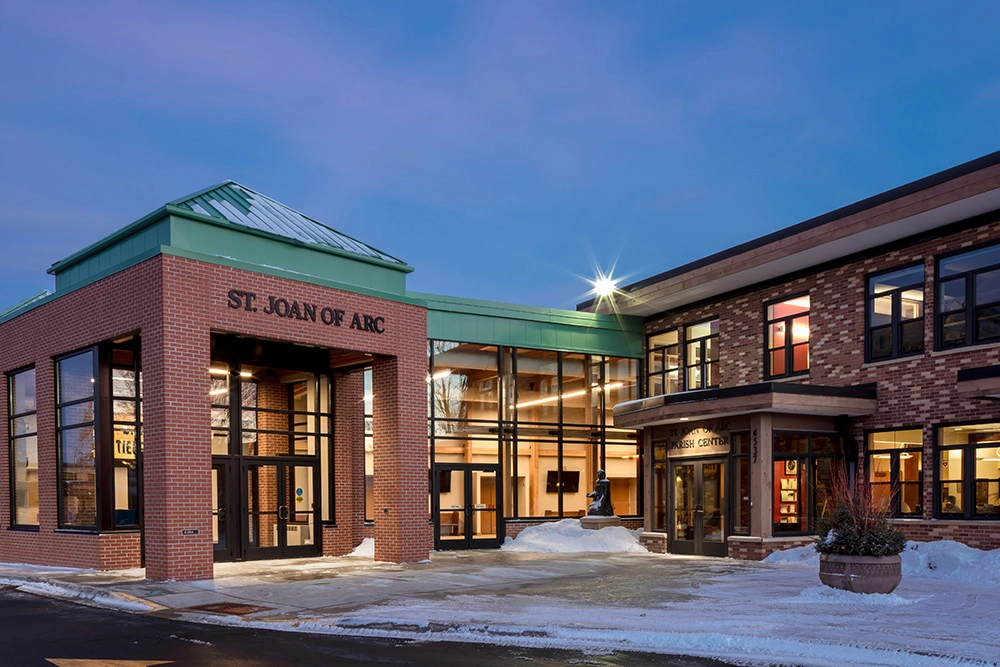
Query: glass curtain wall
{"x": 545, "y": 415}
{"x": 803, "y": 479}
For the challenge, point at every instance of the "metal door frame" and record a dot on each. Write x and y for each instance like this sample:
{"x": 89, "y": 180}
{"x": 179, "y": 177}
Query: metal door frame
{"x": 698, "y": 546}
{"x": 469, "y": 541}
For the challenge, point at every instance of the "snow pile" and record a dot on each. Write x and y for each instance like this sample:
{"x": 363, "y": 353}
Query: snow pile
{"x": 947, "y": 560}
{"x": 366, "y": 549}
{"x": 567, "y": 536}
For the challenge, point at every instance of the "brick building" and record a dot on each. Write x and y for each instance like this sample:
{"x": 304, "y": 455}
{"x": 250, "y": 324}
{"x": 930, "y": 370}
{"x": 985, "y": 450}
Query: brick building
{"x": 869, "y": 335}
{"x": 228, "y": 379}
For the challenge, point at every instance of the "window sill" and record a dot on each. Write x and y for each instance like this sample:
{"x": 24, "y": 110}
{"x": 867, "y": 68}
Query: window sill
{"x": 23, "y": 529}
{"x": 965, "y": 348}
{"x": 789, "y": 378}
{"x": 894, "y": 360}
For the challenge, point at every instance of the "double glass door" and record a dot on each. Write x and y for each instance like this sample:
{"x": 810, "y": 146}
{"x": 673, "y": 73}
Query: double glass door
{"x": 698, "y": 507}
{"x": 267, "y": 510}
{"x": 464, "y": 502}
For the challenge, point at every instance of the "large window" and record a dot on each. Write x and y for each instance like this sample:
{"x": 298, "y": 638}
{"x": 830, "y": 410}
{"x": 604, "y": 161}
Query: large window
{"x": 663, "y": 364}
{"x": 968, "y": 298}
{"x": 896, "y": 313}
{"x": 788, "y": 337}
{"x": 803, "y": 479}
{"x": 369, "y": 448}
{"x": 76, "y": 434}
{"x": 545, "y": 416}
{"x": 23, "y": 448}
{"x": 702, "y": 359}
{"x": 895, "y": 470}
{"x": 126, "y": 425}
{"x": 967, "y": 472}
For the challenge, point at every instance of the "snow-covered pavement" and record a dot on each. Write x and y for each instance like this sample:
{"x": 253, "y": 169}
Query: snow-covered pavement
{"x": 558, "y": 586}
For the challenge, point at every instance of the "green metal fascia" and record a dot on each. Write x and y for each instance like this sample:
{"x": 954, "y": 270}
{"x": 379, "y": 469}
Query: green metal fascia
{"x": 110, "y": 240}
{"x": 126, "y": 250}
{"x": 279, "y": 272}
{"x": 266, "y": 251}
{"x": 492, "y": 323}
{"x": 25, "y": 305}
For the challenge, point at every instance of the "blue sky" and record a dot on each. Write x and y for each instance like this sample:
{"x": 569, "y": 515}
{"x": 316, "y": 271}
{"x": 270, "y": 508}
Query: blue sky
{"x": 504, "y": 149}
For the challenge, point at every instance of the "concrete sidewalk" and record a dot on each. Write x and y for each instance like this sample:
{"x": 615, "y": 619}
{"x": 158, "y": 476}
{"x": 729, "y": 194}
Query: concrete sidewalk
{"x": 649, "y": 602}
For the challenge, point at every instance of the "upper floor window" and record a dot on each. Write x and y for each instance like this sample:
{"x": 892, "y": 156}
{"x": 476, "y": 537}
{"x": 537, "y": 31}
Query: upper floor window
{"x": 701, "y": 361}
{"x": 896, "y": 313}
{"x": 23, "y": 448}
{"x": 967, "y": 472}
{"x": 788, "y": 337}
{"x": 968, "y": 298}
{"x": 895, "y": 470}
{"x": 663, "y": 364}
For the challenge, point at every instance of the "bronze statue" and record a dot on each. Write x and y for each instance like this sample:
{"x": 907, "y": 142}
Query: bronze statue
{"x": 602, "y": 497}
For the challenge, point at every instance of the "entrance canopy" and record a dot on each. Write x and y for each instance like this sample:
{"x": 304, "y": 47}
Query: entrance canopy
{"x": 777, "y": 397}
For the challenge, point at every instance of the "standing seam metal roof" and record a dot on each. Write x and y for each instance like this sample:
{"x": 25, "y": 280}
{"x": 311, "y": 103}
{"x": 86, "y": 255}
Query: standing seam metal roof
{"x": 240, "y": 205}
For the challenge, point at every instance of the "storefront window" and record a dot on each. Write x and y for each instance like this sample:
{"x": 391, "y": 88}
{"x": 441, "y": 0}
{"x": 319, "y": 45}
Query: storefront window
{"x": 126, "y": 396}
{"x": 546, "y": 416}
{"x": 663, "y": 364}
{"x": 23, "y": 434}
{"x": 75, "y": 427}
{"x": 803, "y": 479}
{"x": 968, "y": 472}
{"x": 896, "y": 313}
{"x": 702, "y": 355}
{"x": 968, "y": 298}
{"x": 895, "y": 470}
{"x": 788, "y": 337}
{"x": 660, "y": 486}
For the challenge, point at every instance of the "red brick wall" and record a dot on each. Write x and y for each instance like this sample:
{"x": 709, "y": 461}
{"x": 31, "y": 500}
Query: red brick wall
{"x": 349, "y": 466}
{"x": 175, "y": 304}
{"x": 912, "y": 391}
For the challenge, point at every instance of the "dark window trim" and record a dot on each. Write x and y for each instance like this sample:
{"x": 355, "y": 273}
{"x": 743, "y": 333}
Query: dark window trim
{"x": 894, "y": 466}
{"x": 12, "y": 440}
{"x": 647, "y": 374}
{"x": 968, "y": 480}
{"x": 789, "y": 347}
{"x": 734, "y": 500}
{"x": 59, "y": 429}
{"x": 684, "y": 356}
{"x": 896, "y": 323}
{"x": 781, "y": 456}
{"x": 971, "y": 305}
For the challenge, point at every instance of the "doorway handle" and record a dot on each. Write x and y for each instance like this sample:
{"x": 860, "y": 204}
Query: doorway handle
{"x": 283, "y": 512}
{"x": 221, "y": 512}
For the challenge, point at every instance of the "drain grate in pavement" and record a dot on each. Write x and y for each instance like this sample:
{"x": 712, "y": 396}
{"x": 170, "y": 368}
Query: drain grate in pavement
{"x": 232, "y": 608}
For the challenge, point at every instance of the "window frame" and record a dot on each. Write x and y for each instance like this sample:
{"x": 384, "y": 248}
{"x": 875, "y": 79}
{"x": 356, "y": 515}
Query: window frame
{"x": 789, "y": 345}
{"x": 60, "y": 428}
{"x": 13, "y": 438}
{"x": 896, "y": 321}
{"x": 894, "y": 482}
{"x": 810, "y": 457}
{"x": 968, "y": 474}
{"x": 702, "y": 363}
{"x": 970, "y": 336}
{"x": 665, "y": 371}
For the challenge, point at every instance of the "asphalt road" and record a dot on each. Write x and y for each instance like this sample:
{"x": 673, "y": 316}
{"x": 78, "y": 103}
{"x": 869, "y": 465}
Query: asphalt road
{"x": 39, "y": 632}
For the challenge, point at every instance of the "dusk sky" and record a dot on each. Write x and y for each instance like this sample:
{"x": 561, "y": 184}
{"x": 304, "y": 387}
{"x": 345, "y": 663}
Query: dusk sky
{"x": 506, "y": 150}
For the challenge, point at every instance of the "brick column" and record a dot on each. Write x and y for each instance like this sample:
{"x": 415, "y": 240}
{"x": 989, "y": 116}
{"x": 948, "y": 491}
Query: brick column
{"x": 402, "y": 531}
{"x": 349, "y": 465}
{"x": 177, "y": 453}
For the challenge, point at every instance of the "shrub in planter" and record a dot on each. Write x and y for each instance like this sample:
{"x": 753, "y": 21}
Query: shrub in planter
{"x": 859, "y": 549}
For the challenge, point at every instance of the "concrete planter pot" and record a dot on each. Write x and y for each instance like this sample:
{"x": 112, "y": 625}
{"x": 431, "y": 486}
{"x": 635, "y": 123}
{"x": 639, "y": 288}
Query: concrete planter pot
{"x": 861, "y": 574}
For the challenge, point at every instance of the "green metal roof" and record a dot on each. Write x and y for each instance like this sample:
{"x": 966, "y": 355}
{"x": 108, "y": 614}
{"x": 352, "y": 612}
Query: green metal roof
{"x": 240, "y": 205}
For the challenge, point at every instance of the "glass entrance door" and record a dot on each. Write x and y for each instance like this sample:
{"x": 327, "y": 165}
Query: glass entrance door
{"x": 698, "y": 507}
{"x": 280, "y": 515}
{"x": 224, "y": 527}
{"x": 465, "y": 501}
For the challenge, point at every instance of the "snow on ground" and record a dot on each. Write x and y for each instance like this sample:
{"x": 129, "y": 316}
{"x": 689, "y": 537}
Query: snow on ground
{"x": 567, "y": 536}
{"x": 366, "y": 549}
{"x": 945, "y": 560}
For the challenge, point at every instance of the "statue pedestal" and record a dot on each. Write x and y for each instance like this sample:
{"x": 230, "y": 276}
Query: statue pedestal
{"x": 598, "y": 522}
